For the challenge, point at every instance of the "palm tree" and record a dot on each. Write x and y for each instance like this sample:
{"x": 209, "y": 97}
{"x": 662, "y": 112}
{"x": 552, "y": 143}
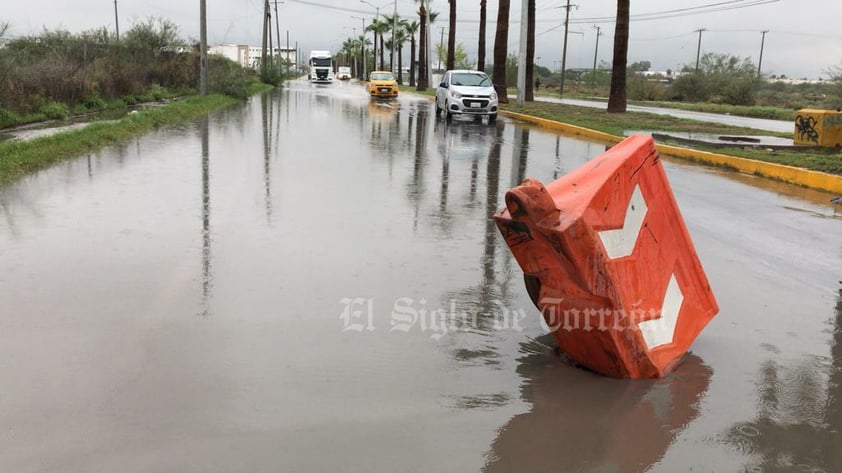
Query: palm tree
{"x": 401, "y": 36}
{"x": 382, "y": 26}
{"x": 393, "y": 21}
{"x": 501, "y": 39}
{"x": 617, "y": 96}
{"x": 451, "y": 36}
{"x": 374, "y": 27}
{"x": 411, "y": 28}
{"x": 529, "y": 93}
{"x": 422, "y": 50}
{"x": 361, "y": 44}
{"x": 349, "y": 47}
{"x": 481, "y": 48}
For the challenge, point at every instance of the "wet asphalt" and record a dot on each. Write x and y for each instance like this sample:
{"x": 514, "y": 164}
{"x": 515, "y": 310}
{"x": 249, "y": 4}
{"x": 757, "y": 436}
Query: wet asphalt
{"x": 311, "y": 281}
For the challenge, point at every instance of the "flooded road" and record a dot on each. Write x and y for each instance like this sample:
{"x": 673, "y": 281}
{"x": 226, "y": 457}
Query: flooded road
{"x": 311, "y": 282}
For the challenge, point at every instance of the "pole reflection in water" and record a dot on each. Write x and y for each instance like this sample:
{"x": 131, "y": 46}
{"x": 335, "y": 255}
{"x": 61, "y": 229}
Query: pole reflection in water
{"x": 267, "y": 116}
{"x": 581, "y": 421}
{"x": 416, "y": 187}
{"x": 520, "y": 153}
{"x": 799, "y": 420}
{"x": 206, "y": 207}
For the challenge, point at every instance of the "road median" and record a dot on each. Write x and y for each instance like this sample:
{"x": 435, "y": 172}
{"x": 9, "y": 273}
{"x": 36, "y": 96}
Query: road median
{"x": 790, "y": 174}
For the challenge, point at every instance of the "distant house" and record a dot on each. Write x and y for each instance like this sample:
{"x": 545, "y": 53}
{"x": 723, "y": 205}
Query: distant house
{"x": 250, "y": 56}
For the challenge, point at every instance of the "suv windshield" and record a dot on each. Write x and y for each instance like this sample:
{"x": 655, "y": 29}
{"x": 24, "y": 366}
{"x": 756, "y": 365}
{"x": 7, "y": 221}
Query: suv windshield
{"x": 382, "y": 76}
{"x": 470, "y": 79}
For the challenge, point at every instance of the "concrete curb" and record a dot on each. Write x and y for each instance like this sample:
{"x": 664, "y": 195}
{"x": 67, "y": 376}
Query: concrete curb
{"x": 793, "y": 175}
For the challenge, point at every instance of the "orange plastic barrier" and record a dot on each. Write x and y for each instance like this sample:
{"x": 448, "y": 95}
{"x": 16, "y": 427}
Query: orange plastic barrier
{"x": 608, "y": 260}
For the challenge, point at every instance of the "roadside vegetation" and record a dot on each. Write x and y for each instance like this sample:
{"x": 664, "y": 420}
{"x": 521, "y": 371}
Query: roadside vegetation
{"x": 58, "y": 74}
{"x": 723, "y": 84}
{"x": 22, "y": 157}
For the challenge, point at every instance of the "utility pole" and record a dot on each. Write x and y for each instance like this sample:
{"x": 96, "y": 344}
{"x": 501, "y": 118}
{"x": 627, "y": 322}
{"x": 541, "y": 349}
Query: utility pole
{"x": 760, "y": 61}
{"x": 595, "y": 52}
{"x": 699, "y": 48}
{"x": 203, "y": 48}
{"x": 116, "y": 20}
{"x": 564, "y": 50}
{"x": 263, "y": 58}
{"x": 394, "y": 23}
{"x": 429, "y": 47}
{"x": 278, "y": 26}
{"x": 521, "y": 62}
{"x": 287, "y": 50}
{"x": 441, "y": 44}
{"x": 271, "y": 43}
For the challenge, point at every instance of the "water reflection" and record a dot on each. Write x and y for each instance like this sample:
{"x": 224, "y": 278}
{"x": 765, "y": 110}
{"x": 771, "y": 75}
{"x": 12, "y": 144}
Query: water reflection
{"x": 484, "y": 300}
{"x": 206, "y": 207}
{"x": 799, "y": 419}
{"x": 267, "y": 117}
{"x": 582, "y": 422}
{"x": 520, "y": 153}
{"x": 415, "y": 189}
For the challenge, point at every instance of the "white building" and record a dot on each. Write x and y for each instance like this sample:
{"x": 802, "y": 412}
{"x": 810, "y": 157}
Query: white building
{"x": 249, "y": 56}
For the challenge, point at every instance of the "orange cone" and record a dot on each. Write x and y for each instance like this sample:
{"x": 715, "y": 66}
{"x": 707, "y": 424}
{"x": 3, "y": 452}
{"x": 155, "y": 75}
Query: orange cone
{"x": 609, "y": 262}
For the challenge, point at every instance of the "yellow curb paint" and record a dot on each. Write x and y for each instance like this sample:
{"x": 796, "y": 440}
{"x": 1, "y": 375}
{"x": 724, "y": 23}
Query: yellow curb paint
{"x": 802, "y": 177}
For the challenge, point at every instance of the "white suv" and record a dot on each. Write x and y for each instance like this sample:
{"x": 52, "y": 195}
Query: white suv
{"x": 465, "y": 92}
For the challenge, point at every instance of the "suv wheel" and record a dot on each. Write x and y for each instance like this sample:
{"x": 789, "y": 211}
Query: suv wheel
{"x": 492, "y": 118}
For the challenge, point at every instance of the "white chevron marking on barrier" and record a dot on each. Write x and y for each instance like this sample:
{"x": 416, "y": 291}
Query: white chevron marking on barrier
{"x": 660, "y": 331}
{"x": 620, "y": 242}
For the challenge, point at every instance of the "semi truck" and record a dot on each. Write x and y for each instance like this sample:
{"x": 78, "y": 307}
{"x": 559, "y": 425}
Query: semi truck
{"x": 321, "y": 67}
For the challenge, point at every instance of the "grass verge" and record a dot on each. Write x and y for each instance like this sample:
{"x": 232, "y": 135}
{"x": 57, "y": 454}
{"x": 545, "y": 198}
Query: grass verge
{"x": 18, "y": 158}
{"x": 619, "y": 123}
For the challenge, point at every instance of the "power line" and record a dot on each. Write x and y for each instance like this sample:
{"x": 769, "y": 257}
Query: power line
{"x": 677, "y": 13}
{"x": 682, "y": 12}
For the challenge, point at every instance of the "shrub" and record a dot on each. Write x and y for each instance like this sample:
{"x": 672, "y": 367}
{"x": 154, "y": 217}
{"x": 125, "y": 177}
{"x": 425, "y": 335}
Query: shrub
{"x": 94, "y": 102}
{"x": 55, "y": 110}
{"x": 639, "y": 88}
{"x": 8, "y": 118}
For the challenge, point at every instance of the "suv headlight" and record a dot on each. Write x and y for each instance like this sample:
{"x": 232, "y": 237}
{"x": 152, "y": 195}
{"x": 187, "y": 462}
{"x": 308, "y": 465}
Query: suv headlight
{"x": 455, "y": 95}
{"x": 493, "y": 96}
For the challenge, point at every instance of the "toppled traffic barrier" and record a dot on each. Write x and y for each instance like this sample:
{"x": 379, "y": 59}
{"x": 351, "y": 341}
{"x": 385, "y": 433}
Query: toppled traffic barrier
{"x": 608, "y": 261}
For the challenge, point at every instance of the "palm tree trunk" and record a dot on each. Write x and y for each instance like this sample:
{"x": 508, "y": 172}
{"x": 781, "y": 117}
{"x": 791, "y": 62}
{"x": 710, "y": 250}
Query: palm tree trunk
{"x": 400, "y": 65}
{"x": 374, "y": 52}
{"x": 382, "y": 63}
{"x": 422, "y": 51}
{"x": 451, "y": 37}
{"x": 501, "y": 39}
{"x": 412, "y": 61}
{"x": 483, "y": 14}
{"x": 617, "y": 98}
{"x": 529, "y": 95}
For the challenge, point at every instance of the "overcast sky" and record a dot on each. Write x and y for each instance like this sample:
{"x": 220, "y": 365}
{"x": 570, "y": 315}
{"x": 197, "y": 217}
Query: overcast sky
{"x": 804, "y": 37}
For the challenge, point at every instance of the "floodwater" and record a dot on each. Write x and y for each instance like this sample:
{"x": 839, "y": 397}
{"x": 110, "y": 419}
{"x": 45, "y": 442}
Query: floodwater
{"x": 311, "y": 282}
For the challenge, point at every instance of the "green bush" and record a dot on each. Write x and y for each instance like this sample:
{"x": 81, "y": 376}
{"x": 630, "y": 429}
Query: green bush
{"x": 639, "y": 88}
{"x": 55, "y": 111}
{"x": 94, "y": 102}
{"x": 8, "y": 118}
